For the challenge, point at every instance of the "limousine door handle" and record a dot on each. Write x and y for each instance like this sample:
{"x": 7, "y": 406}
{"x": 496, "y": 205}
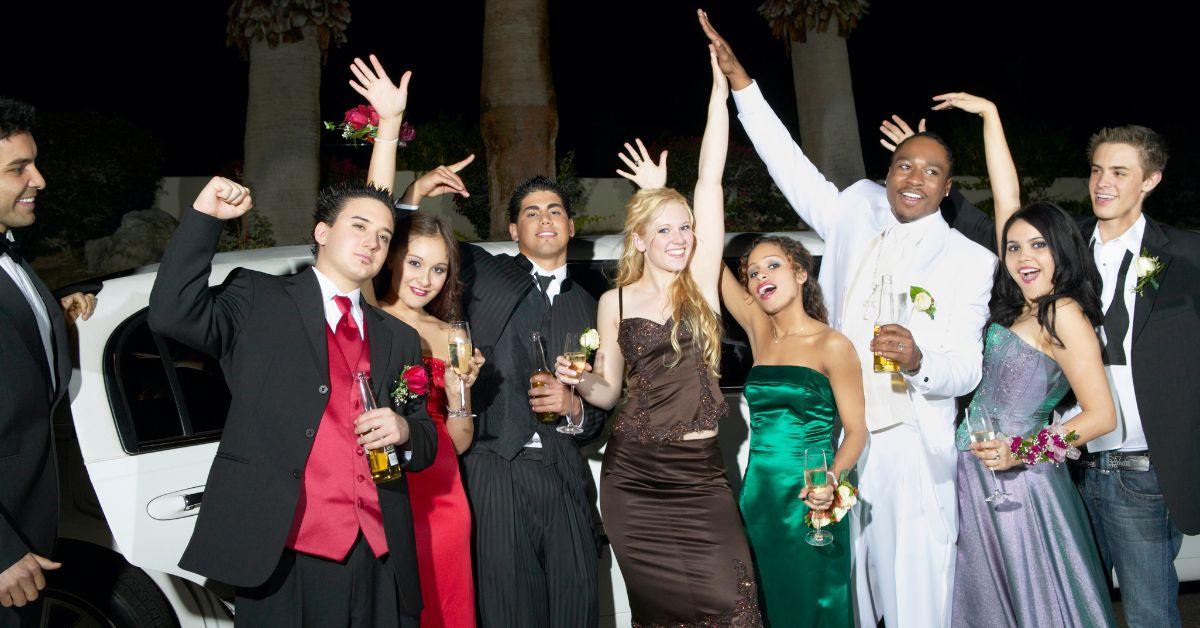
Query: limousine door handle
{"x": 177, "y": 505}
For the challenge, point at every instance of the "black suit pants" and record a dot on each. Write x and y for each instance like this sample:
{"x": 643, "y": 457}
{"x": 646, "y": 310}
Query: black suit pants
{"x": 359, "y": 592}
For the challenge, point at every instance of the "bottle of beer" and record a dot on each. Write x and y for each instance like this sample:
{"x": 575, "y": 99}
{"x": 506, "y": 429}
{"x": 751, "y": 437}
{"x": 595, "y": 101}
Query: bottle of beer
{"x": 537, "y": 354}
{"x": 385, "y": 461}
{"x": 886, "y": 316}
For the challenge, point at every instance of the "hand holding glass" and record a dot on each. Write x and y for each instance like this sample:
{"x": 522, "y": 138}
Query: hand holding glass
{"x": 816, "y": 478}
{"x": 461, "y": 352}
{"x": 577, "y": 356}
{"x": 982, "y": 430}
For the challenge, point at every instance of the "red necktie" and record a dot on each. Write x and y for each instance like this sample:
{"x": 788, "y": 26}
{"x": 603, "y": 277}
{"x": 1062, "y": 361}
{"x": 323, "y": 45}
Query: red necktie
{"x": 348, "y": 337}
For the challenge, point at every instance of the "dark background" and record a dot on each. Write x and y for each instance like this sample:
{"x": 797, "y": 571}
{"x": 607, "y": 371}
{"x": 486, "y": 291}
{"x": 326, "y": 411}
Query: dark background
{"x": 1057, "y": 70}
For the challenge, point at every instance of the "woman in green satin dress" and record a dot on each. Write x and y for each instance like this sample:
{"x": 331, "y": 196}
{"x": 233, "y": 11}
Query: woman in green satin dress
{"x": 806, "y": 376}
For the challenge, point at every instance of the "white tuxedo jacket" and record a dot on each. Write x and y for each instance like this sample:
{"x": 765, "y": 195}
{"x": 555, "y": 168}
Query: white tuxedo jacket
{"x": 955, "y": 271}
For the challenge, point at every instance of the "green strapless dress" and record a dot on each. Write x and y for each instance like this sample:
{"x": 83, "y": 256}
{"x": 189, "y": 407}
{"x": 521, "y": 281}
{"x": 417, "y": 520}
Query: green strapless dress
{"x": 792, "y": 409}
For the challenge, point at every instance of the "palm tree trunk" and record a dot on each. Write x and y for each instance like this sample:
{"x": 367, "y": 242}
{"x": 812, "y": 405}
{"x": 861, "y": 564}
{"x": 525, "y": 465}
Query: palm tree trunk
{"x": 519, "y": 115}
{"x": 825, "y": 102}
{"x": 282, "y": 166}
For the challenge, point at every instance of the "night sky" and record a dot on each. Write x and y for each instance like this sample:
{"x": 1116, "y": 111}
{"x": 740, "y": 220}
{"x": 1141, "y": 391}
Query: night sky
{"x": 621, "y": 67}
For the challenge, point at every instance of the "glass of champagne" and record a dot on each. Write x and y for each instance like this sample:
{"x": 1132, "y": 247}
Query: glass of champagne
{"x": 541, "y": 371}
{"x": 461, "y": 353}
{"x": 816, "y": 478}
{"x": 577, "y": 356}
{"x": 982, "y": 429}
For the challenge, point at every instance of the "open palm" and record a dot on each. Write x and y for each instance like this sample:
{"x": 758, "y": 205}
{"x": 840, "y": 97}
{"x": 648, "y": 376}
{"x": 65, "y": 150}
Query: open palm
{"x": 372, "y": 83}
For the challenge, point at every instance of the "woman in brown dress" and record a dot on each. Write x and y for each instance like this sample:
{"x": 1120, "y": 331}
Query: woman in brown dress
{"x": 667, "y": 506}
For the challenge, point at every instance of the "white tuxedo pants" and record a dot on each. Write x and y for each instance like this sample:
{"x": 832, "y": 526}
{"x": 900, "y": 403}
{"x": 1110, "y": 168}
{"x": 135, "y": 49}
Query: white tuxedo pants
{"x": 903, "y": 571}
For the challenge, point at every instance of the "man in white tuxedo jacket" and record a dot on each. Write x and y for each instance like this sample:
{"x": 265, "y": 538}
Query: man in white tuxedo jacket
{"x": 907, "y": 527}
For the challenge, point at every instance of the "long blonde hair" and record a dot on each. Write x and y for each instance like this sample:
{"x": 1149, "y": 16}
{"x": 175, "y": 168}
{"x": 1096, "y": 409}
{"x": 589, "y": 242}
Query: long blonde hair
{"x": 688, "y": 304}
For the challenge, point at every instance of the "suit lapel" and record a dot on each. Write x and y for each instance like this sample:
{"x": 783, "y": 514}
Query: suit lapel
{"x": 17, "y": 309}
{"x": 497, "y": 295}
{"x": 379, "y": 340}
{"x": 58, "y": 328}
{"x": 306, "y": 292}
{"x": 1156, "y": 244}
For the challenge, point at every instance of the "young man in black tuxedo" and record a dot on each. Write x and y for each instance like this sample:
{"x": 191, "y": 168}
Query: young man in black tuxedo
{"x": 35, "y": 368}
{"x": 1141, "y": 483}
{"x": 530, "y": 490}
{"x": 291, "y": 516}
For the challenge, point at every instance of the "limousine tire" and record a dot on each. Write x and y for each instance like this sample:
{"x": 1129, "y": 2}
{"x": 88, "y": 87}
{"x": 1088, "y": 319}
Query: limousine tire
{"x": 96, "y": 586}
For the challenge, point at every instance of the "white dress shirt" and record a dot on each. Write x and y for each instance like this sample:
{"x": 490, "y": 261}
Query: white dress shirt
{"x": 1129, "y": 435}
{"x": 29, "y": 291}
{"x": 333, "y": 313}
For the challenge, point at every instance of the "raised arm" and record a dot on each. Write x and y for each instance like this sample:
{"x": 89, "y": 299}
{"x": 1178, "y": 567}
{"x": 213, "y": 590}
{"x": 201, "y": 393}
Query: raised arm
{"x": 709, "y": 198}
{"x": 389, "y": 101}
{"x": 1002, "y": 172}
{"x": 741, "y": 305}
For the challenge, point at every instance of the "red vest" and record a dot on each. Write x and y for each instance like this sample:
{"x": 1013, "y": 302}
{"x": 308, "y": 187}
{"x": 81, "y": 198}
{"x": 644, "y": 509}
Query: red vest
{"x": 337, "y": 496}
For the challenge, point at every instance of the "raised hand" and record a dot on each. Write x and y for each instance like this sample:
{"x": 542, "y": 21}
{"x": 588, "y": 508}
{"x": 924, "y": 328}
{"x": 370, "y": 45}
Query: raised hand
{"x": 442, "y": 180}
{"x": 223, "y": 199}
{"x": 964, "y": 101}
{"x": 726, "y": 60}
{"x": 897, "y": 132}
{"x": 645, "y": 174}
{"x": 373, "y": 84}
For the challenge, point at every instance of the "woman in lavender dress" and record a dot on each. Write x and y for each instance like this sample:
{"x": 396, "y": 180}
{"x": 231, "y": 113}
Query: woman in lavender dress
{"x": 1030, "y": 560}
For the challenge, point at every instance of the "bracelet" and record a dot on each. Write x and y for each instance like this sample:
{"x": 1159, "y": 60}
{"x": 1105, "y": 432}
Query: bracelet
{"x": 391, "y": 141}
{"x": 1049, "y": 444}
{"x": 459, "y": 413}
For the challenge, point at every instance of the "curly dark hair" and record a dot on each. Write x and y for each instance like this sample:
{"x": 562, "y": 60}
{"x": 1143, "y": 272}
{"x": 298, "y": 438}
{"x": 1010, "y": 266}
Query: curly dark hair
{"x": 540, "y": 183}
{"x": 332, "y": 200}
{"x": 935, "y": 137}
{"x": 811, "y": 297}
{"x": 15, "y": 117}
{"x": 446, "y": 305}
{"x": 1075, "y": 275}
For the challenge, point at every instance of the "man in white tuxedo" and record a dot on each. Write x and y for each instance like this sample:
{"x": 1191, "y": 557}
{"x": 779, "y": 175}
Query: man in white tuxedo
{"x": 907, "y": 528}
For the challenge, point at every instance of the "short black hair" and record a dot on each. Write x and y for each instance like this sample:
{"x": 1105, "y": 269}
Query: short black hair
{"x": 935, "y": 137}
{"x": 332, "y": 200}
{"x": 15, "y": 117}
{"x": 540, "y": 183}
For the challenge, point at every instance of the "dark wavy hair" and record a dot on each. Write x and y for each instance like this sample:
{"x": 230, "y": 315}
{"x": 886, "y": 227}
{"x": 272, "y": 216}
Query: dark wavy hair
{"x": 16, "y": 117}
{"x": 332, "y": 200}
{"x": 1075, "y": 275}
{"x": 446, "y": 305}
{"x": 810, "y": 292}
{"x": 540, "y": 183}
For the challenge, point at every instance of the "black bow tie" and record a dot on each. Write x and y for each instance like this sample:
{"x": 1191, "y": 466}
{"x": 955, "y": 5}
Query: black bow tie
{"x": 9, "y": 247}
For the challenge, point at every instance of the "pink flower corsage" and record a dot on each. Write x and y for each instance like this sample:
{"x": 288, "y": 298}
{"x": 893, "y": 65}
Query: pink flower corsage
{"x": 1052, "y": 443}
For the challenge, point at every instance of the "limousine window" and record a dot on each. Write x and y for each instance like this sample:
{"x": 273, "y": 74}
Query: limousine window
{"x": 163, "y": 393}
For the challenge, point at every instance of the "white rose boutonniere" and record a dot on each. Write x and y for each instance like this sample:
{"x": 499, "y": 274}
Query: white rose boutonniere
{"x": 1148, "y": 270}
{"x": 589, "y": 340}
{"x": 922, "y": 301}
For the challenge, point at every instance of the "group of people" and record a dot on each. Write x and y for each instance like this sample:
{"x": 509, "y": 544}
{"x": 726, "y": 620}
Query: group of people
{"x": 492, "y": 519}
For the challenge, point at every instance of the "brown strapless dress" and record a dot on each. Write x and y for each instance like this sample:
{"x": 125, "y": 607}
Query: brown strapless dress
{"x": 668, "y": 509}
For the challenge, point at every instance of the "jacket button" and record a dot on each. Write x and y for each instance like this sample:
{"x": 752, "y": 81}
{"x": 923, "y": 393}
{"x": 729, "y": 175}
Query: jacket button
{"x": 323, "y": 389}
{"x": 309, "y": 432}
{"x": 296, "y": 473}
{"x": 926, "y": 380}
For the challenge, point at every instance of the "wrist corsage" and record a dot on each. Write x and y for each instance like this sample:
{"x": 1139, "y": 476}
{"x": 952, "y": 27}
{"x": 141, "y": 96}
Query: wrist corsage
{"x": 845, "y": 497}
{"x": 411, "y": 386}
{"x": 1052, "y": 443}
{"x": 362, "y": 123}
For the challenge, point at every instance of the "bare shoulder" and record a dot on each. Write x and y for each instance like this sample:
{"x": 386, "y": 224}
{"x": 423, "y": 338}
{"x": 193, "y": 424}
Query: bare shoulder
{"x": 833, "y": 342}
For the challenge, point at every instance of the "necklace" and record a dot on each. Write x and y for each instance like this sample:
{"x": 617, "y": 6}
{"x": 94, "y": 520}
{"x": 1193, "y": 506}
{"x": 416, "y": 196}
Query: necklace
{"x": 777, "y": 337}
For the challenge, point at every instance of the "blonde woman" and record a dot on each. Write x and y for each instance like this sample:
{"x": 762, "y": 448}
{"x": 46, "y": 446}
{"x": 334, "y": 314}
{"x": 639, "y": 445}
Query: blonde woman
{"x": 668, "y": 509}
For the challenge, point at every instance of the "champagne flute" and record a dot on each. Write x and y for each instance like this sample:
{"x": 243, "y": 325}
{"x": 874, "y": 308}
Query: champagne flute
{"x": 982, "y": 429}
{"x": 816, "y": 478}
{"x": 461, "y": 353}
{"x": 575, "y": 354}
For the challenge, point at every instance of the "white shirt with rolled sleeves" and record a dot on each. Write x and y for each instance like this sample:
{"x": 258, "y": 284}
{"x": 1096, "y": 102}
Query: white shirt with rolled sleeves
{"x": 909, "y": 469}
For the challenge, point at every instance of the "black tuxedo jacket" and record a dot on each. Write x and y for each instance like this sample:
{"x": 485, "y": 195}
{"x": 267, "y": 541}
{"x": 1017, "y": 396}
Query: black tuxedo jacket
{"x": 269, "y": 334}
{"x": 28, "y": 471}
{"x": 1165, "y": 356}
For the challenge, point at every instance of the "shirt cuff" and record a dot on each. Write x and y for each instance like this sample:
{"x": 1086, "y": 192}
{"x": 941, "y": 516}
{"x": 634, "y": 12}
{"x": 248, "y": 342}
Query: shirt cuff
{"x": 407, "y": 207}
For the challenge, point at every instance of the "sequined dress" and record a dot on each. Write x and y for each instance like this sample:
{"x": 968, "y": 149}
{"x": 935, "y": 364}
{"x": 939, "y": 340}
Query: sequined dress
{"x": 667, "y": 506}
{"x": 1031, "y": 562}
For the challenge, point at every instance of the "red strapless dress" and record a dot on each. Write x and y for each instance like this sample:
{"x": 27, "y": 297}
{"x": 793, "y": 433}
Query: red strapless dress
{"x": 442, "y": 524}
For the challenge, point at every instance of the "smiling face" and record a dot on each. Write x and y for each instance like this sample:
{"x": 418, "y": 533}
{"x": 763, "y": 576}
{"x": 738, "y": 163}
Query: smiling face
{"x": 543, "y": 229}
{"x": 1119, "y": 184}
{"x": 419, "y": 276}
{"x": 772, "y": 279}
{"x": 668, "y": 239}
{"x": 352, "y": 249}
{"x": 20, "y": 181}
{"x": 1029, "y": 260}
{"x": 918, "y": 179}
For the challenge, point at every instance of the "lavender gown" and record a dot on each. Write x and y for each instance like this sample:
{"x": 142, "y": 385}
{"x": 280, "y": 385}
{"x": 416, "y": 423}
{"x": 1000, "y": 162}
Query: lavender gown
{"x": 1033, "y": 562}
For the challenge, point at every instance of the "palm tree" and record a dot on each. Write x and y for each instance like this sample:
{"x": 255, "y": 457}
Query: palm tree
{"x": 285, "y": 42}
{"x": 518, "y": 112}
{"x": 821, "y": 69}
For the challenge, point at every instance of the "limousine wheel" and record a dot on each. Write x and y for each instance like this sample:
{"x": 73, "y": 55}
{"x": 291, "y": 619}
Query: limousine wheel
{"x": 97, "y": 588}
